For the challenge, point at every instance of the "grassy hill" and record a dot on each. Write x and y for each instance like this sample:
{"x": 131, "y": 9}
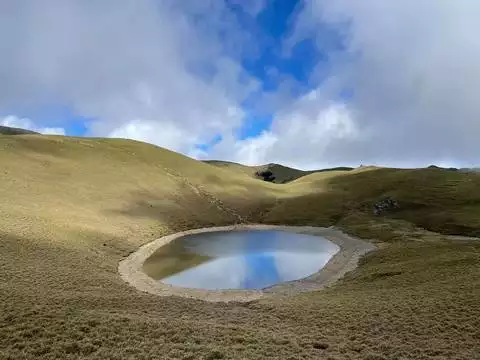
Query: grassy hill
{"x": 282, "y": 174}
{"x": 7, "y": 130}
{"x": 438, "y": 200}
{"x": 242, "y": 169}
{"x": 72, "y": 208}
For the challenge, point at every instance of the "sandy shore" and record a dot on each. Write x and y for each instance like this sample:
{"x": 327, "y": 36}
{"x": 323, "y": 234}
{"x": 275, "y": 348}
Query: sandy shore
{"x": 351, "y": 249}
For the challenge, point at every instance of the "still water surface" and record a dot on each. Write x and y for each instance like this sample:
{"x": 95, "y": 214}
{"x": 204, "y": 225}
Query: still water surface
{"x": 239, "y": 259}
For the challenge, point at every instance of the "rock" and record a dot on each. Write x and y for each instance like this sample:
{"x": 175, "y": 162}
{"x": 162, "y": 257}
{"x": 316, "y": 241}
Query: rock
{"x": 385, "y": 205}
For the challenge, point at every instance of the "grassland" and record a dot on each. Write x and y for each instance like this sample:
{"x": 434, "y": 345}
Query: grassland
{"x": 72, "y": 208}
{"x": 282, "y": 174}
{"x": 8, "y": 130}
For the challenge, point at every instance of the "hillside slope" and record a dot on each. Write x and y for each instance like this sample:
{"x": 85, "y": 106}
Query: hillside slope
{"x": 437, "y": 200}
{"x": 72, "y": 208}
{"x": 94, "y": 181}
{"x": 8, "y": 130}
{"x": 240, "y": 168}
{"x": 282, "y": 174}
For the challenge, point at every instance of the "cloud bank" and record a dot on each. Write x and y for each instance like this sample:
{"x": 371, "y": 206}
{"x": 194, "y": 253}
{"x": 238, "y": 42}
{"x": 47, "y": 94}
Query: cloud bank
{"x": 150, "y": 70}
{"x": 401, "y": 90}
{"x": 413, "y": 68}
{"x": 25, "y": 123}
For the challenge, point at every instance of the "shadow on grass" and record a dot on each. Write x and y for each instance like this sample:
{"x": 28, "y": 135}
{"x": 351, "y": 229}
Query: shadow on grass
{"x": 177, "y": 211}
{"x": 433, "y": 199}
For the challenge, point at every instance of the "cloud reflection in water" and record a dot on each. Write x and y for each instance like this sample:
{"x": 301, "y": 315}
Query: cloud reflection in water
{"x": 251, "y": 259}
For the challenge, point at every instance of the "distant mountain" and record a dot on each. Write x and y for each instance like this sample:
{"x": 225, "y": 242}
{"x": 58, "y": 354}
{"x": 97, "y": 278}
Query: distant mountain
{"x": 464, "y": 170}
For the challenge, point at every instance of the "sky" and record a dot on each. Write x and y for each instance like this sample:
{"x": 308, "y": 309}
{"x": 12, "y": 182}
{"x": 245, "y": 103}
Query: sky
{"x": 305, "y": 83}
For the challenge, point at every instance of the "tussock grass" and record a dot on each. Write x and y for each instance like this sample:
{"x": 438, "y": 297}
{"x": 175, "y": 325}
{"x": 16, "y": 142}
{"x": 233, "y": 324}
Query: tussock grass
{"x": 72, "y": 208}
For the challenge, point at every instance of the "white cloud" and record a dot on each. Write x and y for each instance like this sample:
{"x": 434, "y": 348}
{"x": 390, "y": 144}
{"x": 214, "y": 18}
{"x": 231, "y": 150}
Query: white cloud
{"x": 300, "y": 136}
{"x": 414, "y": 67}
{"x": 219, "y": 273}
{"x": 24, "y": 123}
{"x": 169, "y": 72}
{"x": 167, "y": 135}
{"x": 157, "y": 71}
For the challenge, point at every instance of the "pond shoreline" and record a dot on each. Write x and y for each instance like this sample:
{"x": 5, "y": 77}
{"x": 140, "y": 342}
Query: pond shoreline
{"x": 351, "y": 249}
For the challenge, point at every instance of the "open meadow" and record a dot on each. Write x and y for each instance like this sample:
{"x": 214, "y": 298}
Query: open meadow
{"x": 72, "y": 208}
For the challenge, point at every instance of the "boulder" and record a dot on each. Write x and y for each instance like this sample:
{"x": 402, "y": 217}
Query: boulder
{"x": 385, "y": 205}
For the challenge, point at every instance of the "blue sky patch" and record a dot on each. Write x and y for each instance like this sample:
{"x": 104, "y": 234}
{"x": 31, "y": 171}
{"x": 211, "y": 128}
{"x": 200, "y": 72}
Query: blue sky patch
{"x": 265, "y": 58}
{"x": 207, "y": 146}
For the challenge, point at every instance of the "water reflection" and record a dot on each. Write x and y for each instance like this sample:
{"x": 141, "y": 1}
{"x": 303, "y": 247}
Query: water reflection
{"x": 239, "y": 260}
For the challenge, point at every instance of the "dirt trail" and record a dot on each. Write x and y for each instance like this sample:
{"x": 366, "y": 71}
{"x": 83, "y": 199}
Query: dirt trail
{"x": 200, "y": 191}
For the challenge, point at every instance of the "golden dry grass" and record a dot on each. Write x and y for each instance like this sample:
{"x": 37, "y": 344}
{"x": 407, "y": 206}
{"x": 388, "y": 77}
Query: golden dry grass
{"x": 282, "y": 174}
{"x": 72, "y": 208}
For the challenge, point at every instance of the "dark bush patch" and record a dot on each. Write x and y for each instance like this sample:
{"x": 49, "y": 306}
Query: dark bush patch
{"x": 215, "y": 354}
{"x": 267, "y": 175}
{"x": 320, "y": 346}
{"x": 385, "y": 274}
{"x": 72, "y": 348}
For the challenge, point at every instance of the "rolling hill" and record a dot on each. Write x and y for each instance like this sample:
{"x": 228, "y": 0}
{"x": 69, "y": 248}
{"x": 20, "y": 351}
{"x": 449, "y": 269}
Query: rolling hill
{"x": 72, "y": 208}
{"x": 7, "y": 130}
{"x": 282, "y": 174}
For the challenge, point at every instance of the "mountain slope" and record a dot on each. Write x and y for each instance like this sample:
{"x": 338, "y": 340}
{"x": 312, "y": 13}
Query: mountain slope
{"x": 282, "y": 174}
{"x": 72, "y": 208}
{"x": 7, "y": 130}
{"x": 243, "y": 169}
{"x": 97, "y": 182}
{"x": 438, "y": 200}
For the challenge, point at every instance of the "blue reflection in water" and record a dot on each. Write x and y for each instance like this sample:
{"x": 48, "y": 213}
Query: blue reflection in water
{"x": 261, "y": 269}
{"x": 251, "y": 259}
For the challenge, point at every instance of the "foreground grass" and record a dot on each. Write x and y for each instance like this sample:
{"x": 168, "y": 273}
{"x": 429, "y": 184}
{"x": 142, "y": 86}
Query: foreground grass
{"x": 73, "y": 208}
